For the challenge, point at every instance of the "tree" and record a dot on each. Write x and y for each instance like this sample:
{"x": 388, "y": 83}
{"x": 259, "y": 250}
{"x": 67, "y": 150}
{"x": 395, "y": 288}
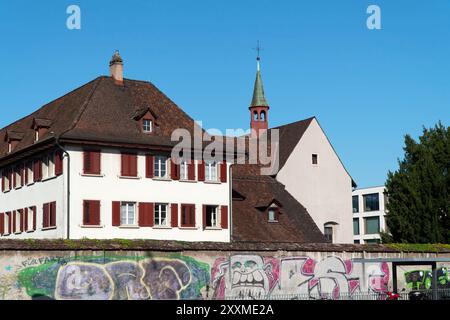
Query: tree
{"x": 419, "y": 191}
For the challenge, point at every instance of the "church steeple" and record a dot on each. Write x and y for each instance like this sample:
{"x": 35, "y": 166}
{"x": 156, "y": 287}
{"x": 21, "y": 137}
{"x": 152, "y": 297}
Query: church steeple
{"x": 259, "y": 108}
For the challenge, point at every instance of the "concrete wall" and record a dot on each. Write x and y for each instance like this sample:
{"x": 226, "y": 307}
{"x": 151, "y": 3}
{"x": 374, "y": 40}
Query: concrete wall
{"x": 324, "y": 189}
{"x": 192, "y": 274}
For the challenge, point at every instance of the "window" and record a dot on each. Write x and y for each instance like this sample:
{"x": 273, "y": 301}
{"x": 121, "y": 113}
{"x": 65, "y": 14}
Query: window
{"x": 210, "y": 171}
{"x": 129, "y": 165}
{"x": 19, "y": 221}
{"x": 263, "y": 116}
{"x": 91, "y": 162}
{"x": 91, "y": 212}
{"x": 188, "y": 215}
{"x": 272, "y": 215}
{"x": 372, "y": 225}
{"x": 147, "y": 125}
{"x": 356, "y": 226}
{"x": 355, "y": 201}
{"x": 315, "y": 159}
{"x": 29, "y": 173}
{"x": 7, "y": 224}
{"x": 31, "y": 216}
{"x": 128, "y": 214}
{"x": 49, "y": 215}
{"x": 255, "y": 116}
{"x": 356, "y": 242}
{"x": 371, "y": 202}
{"x": 17, "y": 178}
{"x": 9, "y": 147}
{"x": 328, "y": 232}
{"x": 160, "y": 166}
{"x": 184, "y": 168}
{"x": 36, "y": 135}
{"x": 372, "y": 241}
{"x": 48, "y": 167}
{"x": 212, "y": 220}
{"x": 161, "y": 215}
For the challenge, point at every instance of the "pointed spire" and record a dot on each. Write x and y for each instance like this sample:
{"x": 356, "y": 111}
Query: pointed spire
{"x": 259, "y": 100}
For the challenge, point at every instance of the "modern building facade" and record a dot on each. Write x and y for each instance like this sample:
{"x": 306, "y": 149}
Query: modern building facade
{"x": 369, "y": 214}
{"x": 97, "y": 163}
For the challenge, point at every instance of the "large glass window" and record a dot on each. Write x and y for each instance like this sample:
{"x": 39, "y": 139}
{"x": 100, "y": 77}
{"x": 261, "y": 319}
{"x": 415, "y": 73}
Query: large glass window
{"x": 371, "y": 202}
{"x": 211, "y": 171}
{"x": 372, "y": 225}
{"x": 128, "y": 213}
{"x": 355, "y": 201}
{"x": 356, "y": 227}
{"x": 160, "y": 166}
{"x": 161, "y": 215}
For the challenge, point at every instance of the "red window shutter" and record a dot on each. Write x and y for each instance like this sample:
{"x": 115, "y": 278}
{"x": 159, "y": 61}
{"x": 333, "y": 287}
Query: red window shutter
{"x": 223, "y": 172}
{"x": 124, "y": 167}
{"x": 224, "y": 217}
{"x": 45, "y": 215}
{"x": 11, "y": 173}
{"x": 149, "y": 163}
{"x": 25, "y": 173}
{"x": 204, "y": 216}
{"x": 10, "y": 222}
{"x": 87, "y": 162}
{"x": 58, "y": 163}
{"x": 201, "y": 170}
{"x": 34, "y": 217}
{"x": 25, "y": 219}
{"x": 13, "y": 221}
{"x": 133, "y": 165}
{"x": 191, "y": 170}
{"x": 2, "y": 223}
{"x": 37, "y": 170}
{"x": 21, "y": 215}
{"x": 116, "y": 213}
{"x": 3, "y": 181}
{"x": 192, "y": 216}
{"x": 53, "y": 214}
{"x": 22, "y": 175}
{"x": 96, "y": 162}
{"x": 95, "y": 209}
{"x": 174, "y": 170}
{"x": 151, "y": 210}
{"x": 145, "y": 214}
{"x": 14, "y": 177}
{"x": 174, "y": 215}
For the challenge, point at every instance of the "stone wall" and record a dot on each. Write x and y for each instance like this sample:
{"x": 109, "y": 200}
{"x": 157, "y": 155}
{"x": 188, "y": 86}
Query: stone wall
{"x": 202, "y": 274}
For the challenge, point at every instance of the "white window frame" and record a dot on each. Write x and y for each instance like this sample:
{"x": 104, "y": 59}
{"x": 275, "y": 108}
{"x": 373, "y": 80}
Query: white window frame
{"x": 184, "y": 170}
{"x": 158, "y": 165}
{"x": 211, "y": 171}
{"x": 147, "y": 128}
{"x": 30, "y": 219}
{"x": 6, "y": 224}
{"x": 214, "y": 216}
{"x": 125, "y": 209}
{"x": 158, "y": 214}
{"x": 18, "y": 213}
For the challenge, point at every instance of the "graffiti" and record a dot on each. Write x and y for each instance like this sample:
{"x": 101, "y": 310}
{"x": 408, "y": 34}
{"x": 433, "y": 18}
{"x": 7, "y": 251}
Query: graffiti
{"x": 100, "y": 279}
{"x": 252, "y": 276}
{"x": 423, "y": 279}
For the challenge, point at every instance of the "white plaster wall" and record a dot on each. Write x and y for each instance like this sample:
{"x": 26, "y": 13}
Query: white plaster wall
{"x": 361, "y": 214}
{"x": 36, "y": 194}
{"x": 324, "y": 189}
{"x": 110, "y": 187}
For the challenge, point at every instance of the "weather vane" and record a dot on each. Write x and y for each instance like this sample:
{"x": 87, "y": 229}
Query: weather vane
{"x": 258, "y": 49}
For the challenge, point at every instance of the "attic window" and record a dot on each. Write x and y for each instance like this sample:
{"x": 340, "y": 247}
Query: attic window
{"x": 272, "y": 215}
{"x": 147, "y": 125}
{"x": 315, "y": 159}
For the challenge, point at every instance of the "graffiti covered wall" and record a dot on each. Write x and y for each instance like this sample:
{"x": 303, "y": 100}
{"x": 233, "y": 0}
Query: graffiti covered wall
{"x": 69, "y": 275}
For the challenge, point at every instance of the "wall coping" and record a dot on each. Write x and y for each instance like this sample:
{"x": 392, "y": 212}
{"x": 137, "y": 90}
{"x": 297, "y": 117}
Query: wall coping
{"x": 161, "y": 245}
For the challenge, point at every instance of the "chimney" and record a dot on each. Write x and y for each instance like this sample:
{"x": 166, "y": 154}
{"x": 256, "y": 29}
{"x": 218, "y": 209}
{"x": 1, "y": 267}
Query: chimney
{"x": 116, "y": 68}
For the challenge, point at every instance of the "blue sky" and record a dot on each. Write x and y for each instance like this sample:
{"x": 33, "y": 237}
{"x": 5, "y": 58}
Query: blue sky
{"x": 366, "y": 87}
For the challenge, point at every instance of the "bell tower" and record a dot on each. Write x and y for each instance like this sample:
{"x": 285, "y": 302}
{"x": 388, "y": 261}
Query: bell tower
{"x": 259, "y": 108}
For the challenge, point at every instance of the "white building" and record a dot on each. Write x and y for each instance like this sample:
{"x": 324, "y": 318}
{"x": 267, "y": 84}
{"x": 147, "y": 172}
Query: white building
{"x": 369, "y": 214}
{"x": 96, "y": 163}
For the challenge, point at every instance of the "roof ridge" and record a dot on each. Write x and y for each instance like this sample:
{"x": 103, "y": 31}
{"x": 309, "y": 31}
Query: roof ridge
{"x": 295, "y": 122}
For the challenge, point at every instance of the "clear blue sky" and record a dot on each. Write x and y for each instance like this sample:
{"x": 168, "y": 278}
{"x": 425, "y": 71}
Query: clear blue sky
{"x": 367, "y": 87}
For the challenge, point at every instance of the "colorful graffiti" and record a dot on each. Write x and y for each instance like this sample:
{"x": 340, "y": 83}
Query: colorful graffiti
{"x": 114, "y": 278}
{"x": 423, "y": 279}
{"x": 252, "y": 276}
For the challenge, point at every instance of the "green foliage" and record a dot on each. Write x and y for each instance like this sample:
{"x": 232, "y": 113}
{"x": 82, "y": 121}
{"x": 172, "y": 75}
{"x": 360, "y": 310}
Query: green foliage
{"x": 413, "y": 247}
{"x": 419, "y": 191}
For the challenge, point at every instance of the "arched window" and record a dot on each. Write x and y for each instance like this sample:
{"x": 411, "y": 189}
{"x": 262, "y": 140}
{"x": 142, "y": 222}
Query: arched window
{"x": 263, "y": 116}
{"x": 255, "y": 115}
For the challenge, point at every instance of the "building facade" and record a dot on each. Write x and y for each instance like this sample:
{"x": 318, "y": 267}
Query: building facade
{"x": 369, "y": 214}
{"x": 98, "y": 163}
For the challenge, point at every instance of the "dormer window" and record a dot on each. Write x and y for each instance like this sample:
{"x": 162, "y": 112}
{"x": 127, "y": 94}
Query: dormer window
{"x": 40, "y": 127}
{"x": 9, "y": 147}
{"x": 13, "y": 138}
{"x": 147, "y": 125}
{"x": 36, "y": 135}
{"x": 272, "y": 214}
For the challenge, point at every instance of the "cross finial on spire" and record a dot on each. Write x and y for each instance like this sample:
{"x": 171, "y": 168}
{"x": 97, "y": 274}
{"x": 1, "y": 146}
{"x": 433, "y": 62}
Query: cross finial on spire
{"x": 258, "y": 50}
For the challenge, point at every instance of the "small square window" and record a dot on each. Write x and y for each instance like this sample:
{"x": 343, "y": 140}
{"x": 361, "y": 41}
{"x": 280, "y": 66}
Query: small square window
{"x": 147, "y": 125}
{"x": 212, "y": 220}
{"x": 315, "y": 159}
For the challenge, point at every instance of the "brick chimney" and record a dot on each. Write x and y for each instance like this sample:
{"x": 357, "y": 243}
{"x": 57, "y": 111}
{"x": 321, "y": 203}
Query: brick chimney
{"x": 116, "y": 68}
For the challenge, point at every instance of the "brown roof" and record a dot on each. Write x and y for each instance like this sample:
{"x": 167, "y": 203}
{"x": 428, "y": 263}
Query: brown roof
{"x": 250, "y": 222}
